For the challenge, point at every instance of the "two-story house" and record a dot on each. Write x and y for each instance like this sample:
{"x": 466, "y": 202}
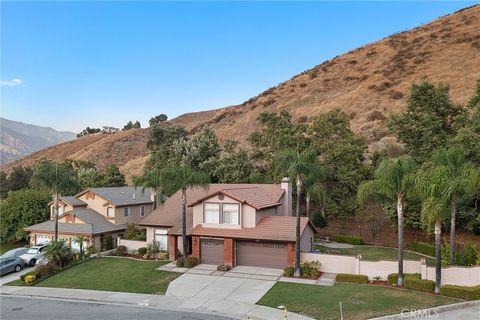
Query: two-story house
{"x": 93, "y": 214}
{"x": 235, "y": 224}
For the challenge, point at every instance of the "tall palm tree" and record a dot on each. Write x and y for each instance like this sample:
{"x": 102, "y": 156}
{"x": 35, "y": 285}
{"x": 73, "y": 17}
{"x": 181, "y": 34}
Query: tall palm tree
{"x": 458, "y": 171}
{"x": 432, "y": 185}
{"x": 392, "y": 181}
{"x": 150, "y": 180}
{"x": 182, "y": 177}
{"x": 297, "y": 165}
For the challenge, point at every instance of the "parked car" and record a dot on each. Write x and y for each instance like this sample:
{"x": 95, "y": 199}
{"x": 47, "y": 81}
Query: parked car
{"x": 34, "y": 254}
{"x": 14, "y": 253}
{"x": 8, "y": 265}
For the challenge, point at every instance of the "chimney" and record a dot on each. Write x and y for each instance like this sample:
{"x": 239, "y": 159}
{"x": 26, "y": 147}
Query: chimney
{"x": 287, "y": 198}
{"x": 133, "y": 196}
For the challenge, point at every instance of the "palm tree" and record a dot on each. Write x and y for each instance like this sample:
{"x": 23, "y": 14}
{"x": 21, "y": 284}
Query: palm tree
{"x": 315, "y": 189}
{"x": 432, "y": 185}
{"x": 150, "y": 180}
{"x": 392, "y": 181}
{"x": 182, "y": 177}
{"x": 297, "y": 165}
{"x": 458, "y": 171}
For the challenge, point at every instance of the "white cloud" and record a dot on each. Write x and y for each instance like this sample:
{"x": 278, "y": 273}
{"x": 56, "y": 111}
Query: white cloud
{"x": 11, "y": 83}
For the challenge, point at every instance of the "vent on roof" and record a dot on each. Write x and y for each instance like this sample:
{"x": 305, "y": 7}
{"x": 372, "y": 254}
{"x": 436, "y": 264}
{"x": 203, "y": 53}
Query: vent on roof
{"x": 133, "y": 196}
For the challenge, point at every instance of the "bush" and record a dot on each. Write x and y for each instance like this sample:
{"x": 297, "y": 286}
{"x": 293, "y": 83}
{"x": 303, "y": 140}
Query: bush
{"x": 45, "y": 269}
{"x": 132, "y": 232}
{"x": 30, "y": 273}
{"x": 461, "y": 292}
{"x": 288, "y": 271}
{"x": 153, "y": 248}
{"x": 30, "y": 279}
{"x": 190, "y": 262}
{"x": 163, "y": 255}
{"x": 422, "y": 247}
{"x": 224, "y": 267}
{"x": 413, "y": 283}
{"x": 91, "y": 250}
{"x": 310, "y": 269}
{"x": 347, "y": 239}
{"x": 393, "y": 277}
{"x": 107, "y": 242}
{"x": 142, "y": 251}
{"x": 180, "y": 262}
{"x": 468, "y": 256}
{"x": 352, "y": 278}
{"x": 121, "y": 250}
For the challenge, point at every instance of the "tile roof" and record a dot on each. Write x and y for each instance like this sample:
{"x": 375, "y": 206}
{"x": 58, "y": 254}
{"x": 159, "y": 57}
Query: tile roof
{"x": 123, "y": 196}
{"x": 73, "y": 201}
{"x": 281, "y": 228}
{"x": 95, "y": 223}
{"x": 169, "y": 214}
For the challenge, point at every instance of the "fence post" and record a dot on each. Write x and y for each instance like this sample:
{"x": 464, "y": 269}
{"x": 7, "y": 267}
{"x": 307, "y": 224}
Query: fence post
{"x": 423, "y": 268}
{"x": 358, "y": 258}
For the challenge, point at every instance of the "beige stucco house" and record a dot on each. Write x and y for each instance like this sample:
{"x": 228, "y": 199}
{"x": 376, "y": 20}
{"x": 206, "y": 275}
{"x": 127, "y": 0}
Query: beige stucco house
{"x": 235, "y": 224}
{"x": 94, "y": 213}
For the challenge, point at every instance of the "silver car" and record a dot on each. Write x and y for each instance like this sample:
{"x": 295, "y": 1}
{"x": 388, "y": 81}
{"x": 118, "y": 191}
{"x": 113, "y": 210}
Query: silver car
{"x": 8, "y": 265}
{"x": 34, "y": 254}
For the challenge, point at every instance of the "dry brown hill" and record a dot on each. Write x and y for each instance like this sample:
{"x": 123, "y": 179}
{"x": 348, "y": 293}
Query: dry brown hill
{"x": 369, "y": 83}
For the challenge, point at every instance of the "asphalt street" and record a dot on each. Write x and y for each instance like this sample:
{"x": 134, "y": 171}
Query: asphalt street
{"x": 20, "y": 308}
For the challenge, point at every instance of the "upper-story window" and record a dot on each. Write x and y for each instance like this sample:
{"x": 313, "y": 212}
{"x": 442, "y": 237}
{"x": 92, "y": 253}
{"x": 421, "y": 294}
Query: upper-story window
{"x": 230, "y": 213}
{"x": 127, "y": 211}
{"x": 212, "y": 212}
{"x": 110, "y": 212}
{"x": 142, "y": 211}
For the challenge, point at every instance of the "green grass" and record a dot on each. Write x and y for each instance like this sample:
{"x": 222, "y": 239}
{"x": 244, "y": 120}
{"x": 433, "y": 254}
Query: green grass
{"x": 358, "y": 301}
{"x": 114, "y": 274}
{"x": 374, "y": 253}
{"x": 6, "y": 246}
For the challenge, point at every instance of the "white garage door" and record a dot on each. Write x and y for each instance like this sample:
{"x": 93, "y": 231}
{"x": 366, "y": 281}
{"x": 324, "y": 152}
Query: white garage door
{"x": 43, "y": 239}
{"x": 76, "y": 246}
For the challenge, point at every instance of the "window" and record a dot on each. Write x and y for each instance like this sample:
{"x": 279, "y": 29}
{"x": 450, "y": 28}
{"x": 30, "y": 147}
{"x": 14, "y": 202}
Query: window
{"x": 212, "y": 212}
{"x": 161, "y": 237}
{"x": 109, "y": 212}
{"x": 60, "y": 211}
{"x": 142, "y": 211}
{"x": 127, "y": 212}
{"x": 230, "y": 213}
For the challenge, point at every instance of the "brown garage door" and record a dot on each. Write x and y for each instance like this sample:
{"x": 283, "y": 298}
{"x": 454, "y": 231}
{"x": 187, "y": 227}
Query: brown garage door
{"x": 262, "y": 254}
{"x": 211, "y": 251}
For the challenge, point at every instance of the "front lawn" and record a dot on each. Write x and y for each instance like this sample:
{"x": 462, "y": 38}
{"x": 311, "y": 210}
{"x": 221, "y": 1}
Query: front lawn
{"x": 114, "y": 274}
{"x": 374, "y": 253}
{"x": 358, "y": 301}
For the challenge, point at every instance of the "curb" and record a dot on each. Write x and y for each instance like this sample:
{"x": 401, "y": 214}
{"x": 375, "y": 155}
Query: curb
{"x": 434, "y": 310}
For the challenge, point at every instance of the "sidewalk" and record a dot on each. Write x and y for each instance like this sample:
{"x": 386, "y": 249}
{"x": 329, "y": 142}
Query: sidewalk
{"x": 237, "y": 310}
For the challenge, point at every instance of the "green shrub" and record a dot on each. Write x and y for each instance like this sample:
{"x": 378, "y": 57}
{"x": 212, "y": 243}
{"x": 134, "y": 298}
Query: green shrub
{"x": 46, "y": 269}
{"x": 142, "y": 251}
{"x": 288, "y": 271}
{"x": 190, "y": 262}
{"x": 347, "y": 239}
{"x": 468, "y": 256}
{"x": 153, "y": 249}
{"x": 416, "y": 284}
{"x": 422, "y": 247}
{"x": 180, "y": 262}
{"x": 91, "y": 250}
{"x": 393, "y": 277}
{"x": 132, "y": 232}
{"x": 163, "y": 255}
{"x": 352, "y": 278}
{"x": 30, "y": 273}
{"x": 310, "y": 269}
{"x": 121, "y": 250}
{"x": 107, "y": 242}
{"x": 461, "y": 292}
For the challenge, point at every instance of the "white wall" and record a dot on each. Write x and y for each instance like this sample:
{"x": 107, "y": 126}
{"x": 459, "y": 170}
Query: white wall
{"x": 462, "y": 276}
{"x": 331, "y": 263}
{"x": 132, "y": 245}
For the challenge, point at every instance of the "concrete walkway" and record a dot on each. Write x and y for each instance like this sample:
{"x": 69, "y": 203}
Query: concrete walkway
{"x": 14, "y": 275}
{"x": 236, "y": 309}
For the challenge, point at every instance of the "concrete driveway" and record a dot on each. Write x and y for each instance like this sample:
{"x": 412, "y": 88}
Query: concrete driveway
{"x": 204, "y": 285}
{"x": 14, "y": 275}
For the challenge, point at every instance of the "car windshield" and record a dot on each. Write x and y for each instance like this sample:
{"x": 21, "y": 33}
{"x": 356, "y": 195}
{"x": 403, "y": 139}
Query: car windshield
{"x": 32, "y": 251}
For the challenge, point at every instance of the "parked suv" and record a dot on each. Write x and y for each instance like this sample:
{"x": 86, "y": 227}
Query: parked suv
{"x": 34, "y": 254}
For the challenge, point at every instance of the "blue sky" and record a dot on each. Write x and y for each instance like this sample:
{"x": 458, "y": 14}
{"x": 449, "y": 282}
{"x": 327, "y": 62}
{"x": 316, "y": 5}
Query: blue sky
{"x": 69, "y": 65}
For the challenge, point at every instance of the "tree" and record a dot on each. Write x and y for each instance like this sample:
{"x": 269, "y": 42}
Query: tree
{"x": 150, "y": 180}
{"x": 87, "y": 131}
{"x": 297, "y": 165}
{"x": 128, "y": 126}
{"x": 80, "y": 240}
{"x": 392, "y": 181}
{"x": 432, "y": 186}
{"x": 87, "y": 174}
{"x": 458, "y": 170}
{"x": 234, "y": 165}
{"x": 315, "y": 189}
{"x": 21, "y": 209}
{"x": 132, "y": 232}
{"x": 157, "y": 119}
{"x": 19, "y": 178}
{"x": 182, "y": 177}
{"x": 429, "y": 120}
{"x": 202, "y": 148}
{"x": 137, "y": 125}
{"x": 3, "y": 184}
{"x": 113, "y": 177}
{"x": 161, "y": 143}
{"x": 59, "y": 254}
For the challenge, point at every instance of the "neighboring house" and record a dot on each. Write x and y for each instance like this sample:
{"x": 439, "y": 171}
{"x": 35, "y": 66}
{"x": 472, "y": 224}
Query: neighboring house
{"x": 235, "y": 224}
{"x": 94, "y": 213}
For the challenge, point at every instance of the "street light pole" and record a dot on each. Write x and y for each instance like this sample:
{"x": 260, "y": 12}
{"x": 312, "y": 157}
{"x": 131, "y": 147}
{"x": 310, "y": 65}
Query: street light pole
{"x": 56, "y": 202}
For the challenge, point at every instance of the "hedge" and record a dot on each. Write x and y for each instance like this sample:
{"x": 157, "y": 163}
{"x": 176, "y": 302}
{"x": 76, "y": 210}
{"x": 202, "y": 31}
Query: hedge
{"x": 352, "y": 278}
{"x": 416, "y": 284}
{"x": 422, "y": 247}
{"x": 466, "y": 293}
{"x": 347, "y": 239}
{"x": 393, "y": 277}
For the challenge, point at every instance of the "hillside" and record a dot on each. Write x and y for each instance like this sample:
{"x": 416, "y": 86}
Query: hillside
{"x": 368, "y": 83}
{"x": 18, "y": 139}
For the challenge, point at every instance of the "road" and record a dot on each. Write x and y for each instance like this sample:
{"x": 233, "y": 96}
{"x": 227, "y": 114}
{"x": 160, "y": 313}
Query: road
{"x": 21, "y": 308}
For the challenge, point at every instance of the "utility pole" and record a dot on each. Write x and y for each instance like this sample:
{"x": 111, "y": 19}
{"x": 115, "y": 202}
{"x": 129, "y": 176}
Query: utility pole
{"x": 56, "y": 202}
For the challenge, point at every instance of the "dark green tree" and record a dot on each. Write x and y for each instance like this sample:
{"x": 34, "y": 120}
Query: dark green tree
{"x": 157, "y": 119}
{"x": 161, "y": 143}
{"x": 113, "y": 177}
